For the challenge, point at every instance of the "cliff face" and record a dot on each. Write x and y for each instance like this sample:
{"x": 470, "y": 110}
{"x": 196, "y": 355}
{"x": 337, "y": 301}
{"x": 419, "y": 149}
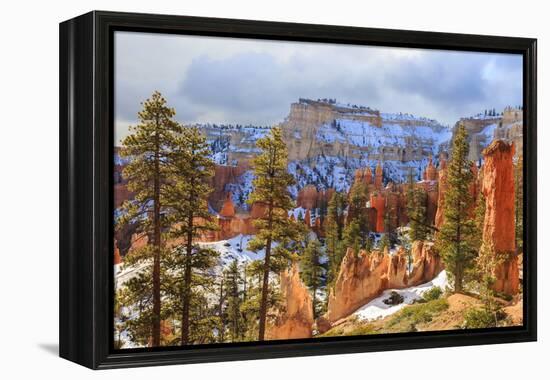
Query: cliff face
{"x": 365, "y": 276}
{"x": 294, "y": 319}
{"x": 483, "y": 129}
{"x": 499, "y": 223}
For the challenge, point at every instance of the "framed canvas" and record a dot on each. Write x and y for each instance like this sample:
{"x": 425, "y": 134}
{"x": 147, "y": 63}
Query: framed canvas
{"x": 234, "y": 189}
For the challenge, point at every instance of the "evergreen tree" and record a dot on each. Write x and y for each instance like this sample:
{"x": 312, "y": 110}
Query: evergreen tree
{"x": 250, "y": 308}
{"x": 352, "y": 236}
{"x": 334, "y": 228}
{"x": 188, "y": 193}
{"x": 271, "y": 184}
{"x": 234, "y": 293}
{"x": 416, "y": 210}
{"x": 204, "y": 317}
{"x": 148, "y": 149}
{"x": 357, "y": 231}
{"x": 313, "y": 271}
{"x": 456, "y": 238}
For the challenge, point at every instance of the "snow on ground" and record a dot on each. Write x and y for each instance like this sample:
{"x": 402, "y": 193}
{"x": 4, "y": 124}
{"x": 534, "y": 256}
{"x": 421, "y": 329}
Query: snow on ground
{"x": 235, "y": 248}
{"x": 376, "y": 308}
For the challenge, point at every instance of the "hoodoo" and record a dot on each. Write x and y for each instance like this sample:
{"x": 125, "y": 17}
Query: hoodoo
{"x": 294, "y": 320}
{"x": 499, "y": 223}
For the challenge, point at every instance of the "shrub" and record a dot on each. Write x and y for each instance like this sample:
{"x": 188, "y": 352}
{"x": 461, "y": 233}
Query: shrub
{"x": 479, "y": 318}
{"x": 413, "y": 315}
{"x": 432, "y": 294}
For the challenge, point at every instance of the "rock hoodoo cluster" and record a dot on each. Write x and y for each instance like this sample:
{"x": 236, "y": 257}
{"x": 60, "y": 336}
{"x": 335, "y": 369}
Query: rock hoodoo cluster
{"x": 294, "y": 319}
{"x": 499, "y": 223}
{"x": 364, "y": 276}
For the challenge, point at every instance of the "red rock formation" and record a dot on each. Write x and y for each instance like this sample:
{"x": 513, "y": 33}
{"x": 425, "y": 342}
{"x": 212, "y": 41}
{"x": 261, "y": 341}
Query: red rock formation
{"x": 499, "y": 223}
{"x": 117, "y": 258}
{"x": 307, "y": 197}
{"x": 294, "y": 320}
{"x": 378, "y": 177}
{"x": 223, "y": 175}
{"x": 378, "y": 202}
{"x": 228, "y": 208}
{"x": 426, "y": 263}
{"x": 307, "y": 218}
{"x": 431, "y": 172}
{"x": 361, "y": 278}
{"x": 397, "y": 270}
{"x": 365, "y": 276}
{"x": 367, "y": 176}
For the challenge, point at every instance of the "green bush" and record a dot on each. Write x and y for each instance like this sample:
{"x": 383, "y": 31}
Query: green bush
{"x": 479, "y": 318}
{"x": 418, "y": 313}
{"x": 432, "y": 294}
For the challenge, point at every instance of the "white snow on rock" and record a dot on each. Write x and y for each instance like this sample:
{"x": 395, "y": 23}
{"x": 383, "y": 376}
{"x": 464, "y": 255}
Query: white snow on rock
{"x": 376, "y": 308}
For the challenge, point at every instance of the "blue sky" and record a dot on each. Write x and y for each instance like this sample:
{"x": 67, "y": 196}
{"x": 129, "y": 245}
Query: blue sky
{"x": 226, "y": 80}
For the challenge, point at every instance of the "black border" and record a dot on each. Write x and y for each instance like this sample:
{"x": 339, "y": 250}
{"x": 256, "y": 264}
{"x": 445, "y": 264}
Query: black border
{"x": 86, "y": 197}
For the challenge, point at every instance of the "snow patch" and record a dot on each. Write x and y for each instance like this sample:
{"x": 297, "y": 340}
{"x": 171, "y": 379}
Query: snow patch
{"x": 376, "y": 308}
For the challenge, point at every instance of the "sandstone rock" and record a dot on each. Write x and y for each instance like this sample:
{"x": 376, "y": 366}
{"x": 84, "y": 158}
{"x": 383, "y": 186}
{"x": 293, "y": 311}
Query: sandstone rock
{"x": 322, "y": 325}
{"x": 307, "y": 197}
{"x": 397, "y": 270}
{"x": 307, "y": 218}
{"x": 378, "y": 202}
{"x": 430, "y": 173}
{"x": 361, "y": 278}
{"x": 224, "y": 175}
{"x": 426, "y": 263}
{"x": 378, "y": 176}
{"x": 228, "y": 208}
{"x": 499, "y": 223}
{"x": 117, "y": 259}
{"x": 294, "y": 320}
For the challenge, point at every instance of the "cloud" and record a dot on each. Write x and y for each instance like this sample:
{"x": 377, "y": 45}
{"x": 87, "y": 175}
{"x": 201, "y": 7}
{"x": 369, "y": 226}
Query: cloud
{"x": 210, "y": 79}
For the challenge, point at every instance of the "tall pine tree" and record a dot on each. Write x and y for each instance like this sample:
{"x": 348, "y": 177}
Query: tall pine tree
{"x": 271, "y": 183}
{"x": 234, "y": 290}
{"x": 416, "y": 210}
{"x": 334, "y": 229}
{"x": 149, "y": 148}
{"x": 188, "y": 193}
{"x": 456, "y": 238}
{"x": 313, "y": 271}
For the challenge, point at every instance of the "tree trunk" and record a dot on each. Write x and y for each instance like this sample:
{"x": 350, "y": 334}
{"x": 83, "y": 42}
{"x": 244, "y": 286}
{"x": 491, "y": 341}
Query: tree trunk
{"x": 187, "y": 288}
{"x": 157, "y": 244}
{"x": 188, "y": 272}
{"x": 265, "y": 283}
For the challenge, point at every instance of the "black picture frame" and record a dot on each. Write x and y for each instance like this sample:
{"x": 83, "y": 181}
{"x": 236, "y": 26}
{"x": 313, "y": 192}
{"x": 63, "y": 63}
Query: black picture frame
{"x": 86, "y": 183}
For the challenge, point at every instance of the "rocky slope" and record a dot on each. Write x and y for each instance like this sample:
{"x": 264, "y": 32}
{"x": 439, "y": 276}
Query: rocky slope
{"x": 327, "y": 142}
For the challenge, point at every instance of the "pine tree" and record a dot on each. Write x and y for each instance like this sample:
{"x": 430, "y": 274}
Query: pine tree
{"x": 456, "y": 238}
{"x": 416, "y": 210}
{"x": 271, "y": 184}
{"x": 334, "y": 228}
{"x": 148, "y": 149}
{"x": 188, "y": 193}
{"x": 234, "y": 293}
{"x": 313, "y": 271}
{"x": 352, "y": 236}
